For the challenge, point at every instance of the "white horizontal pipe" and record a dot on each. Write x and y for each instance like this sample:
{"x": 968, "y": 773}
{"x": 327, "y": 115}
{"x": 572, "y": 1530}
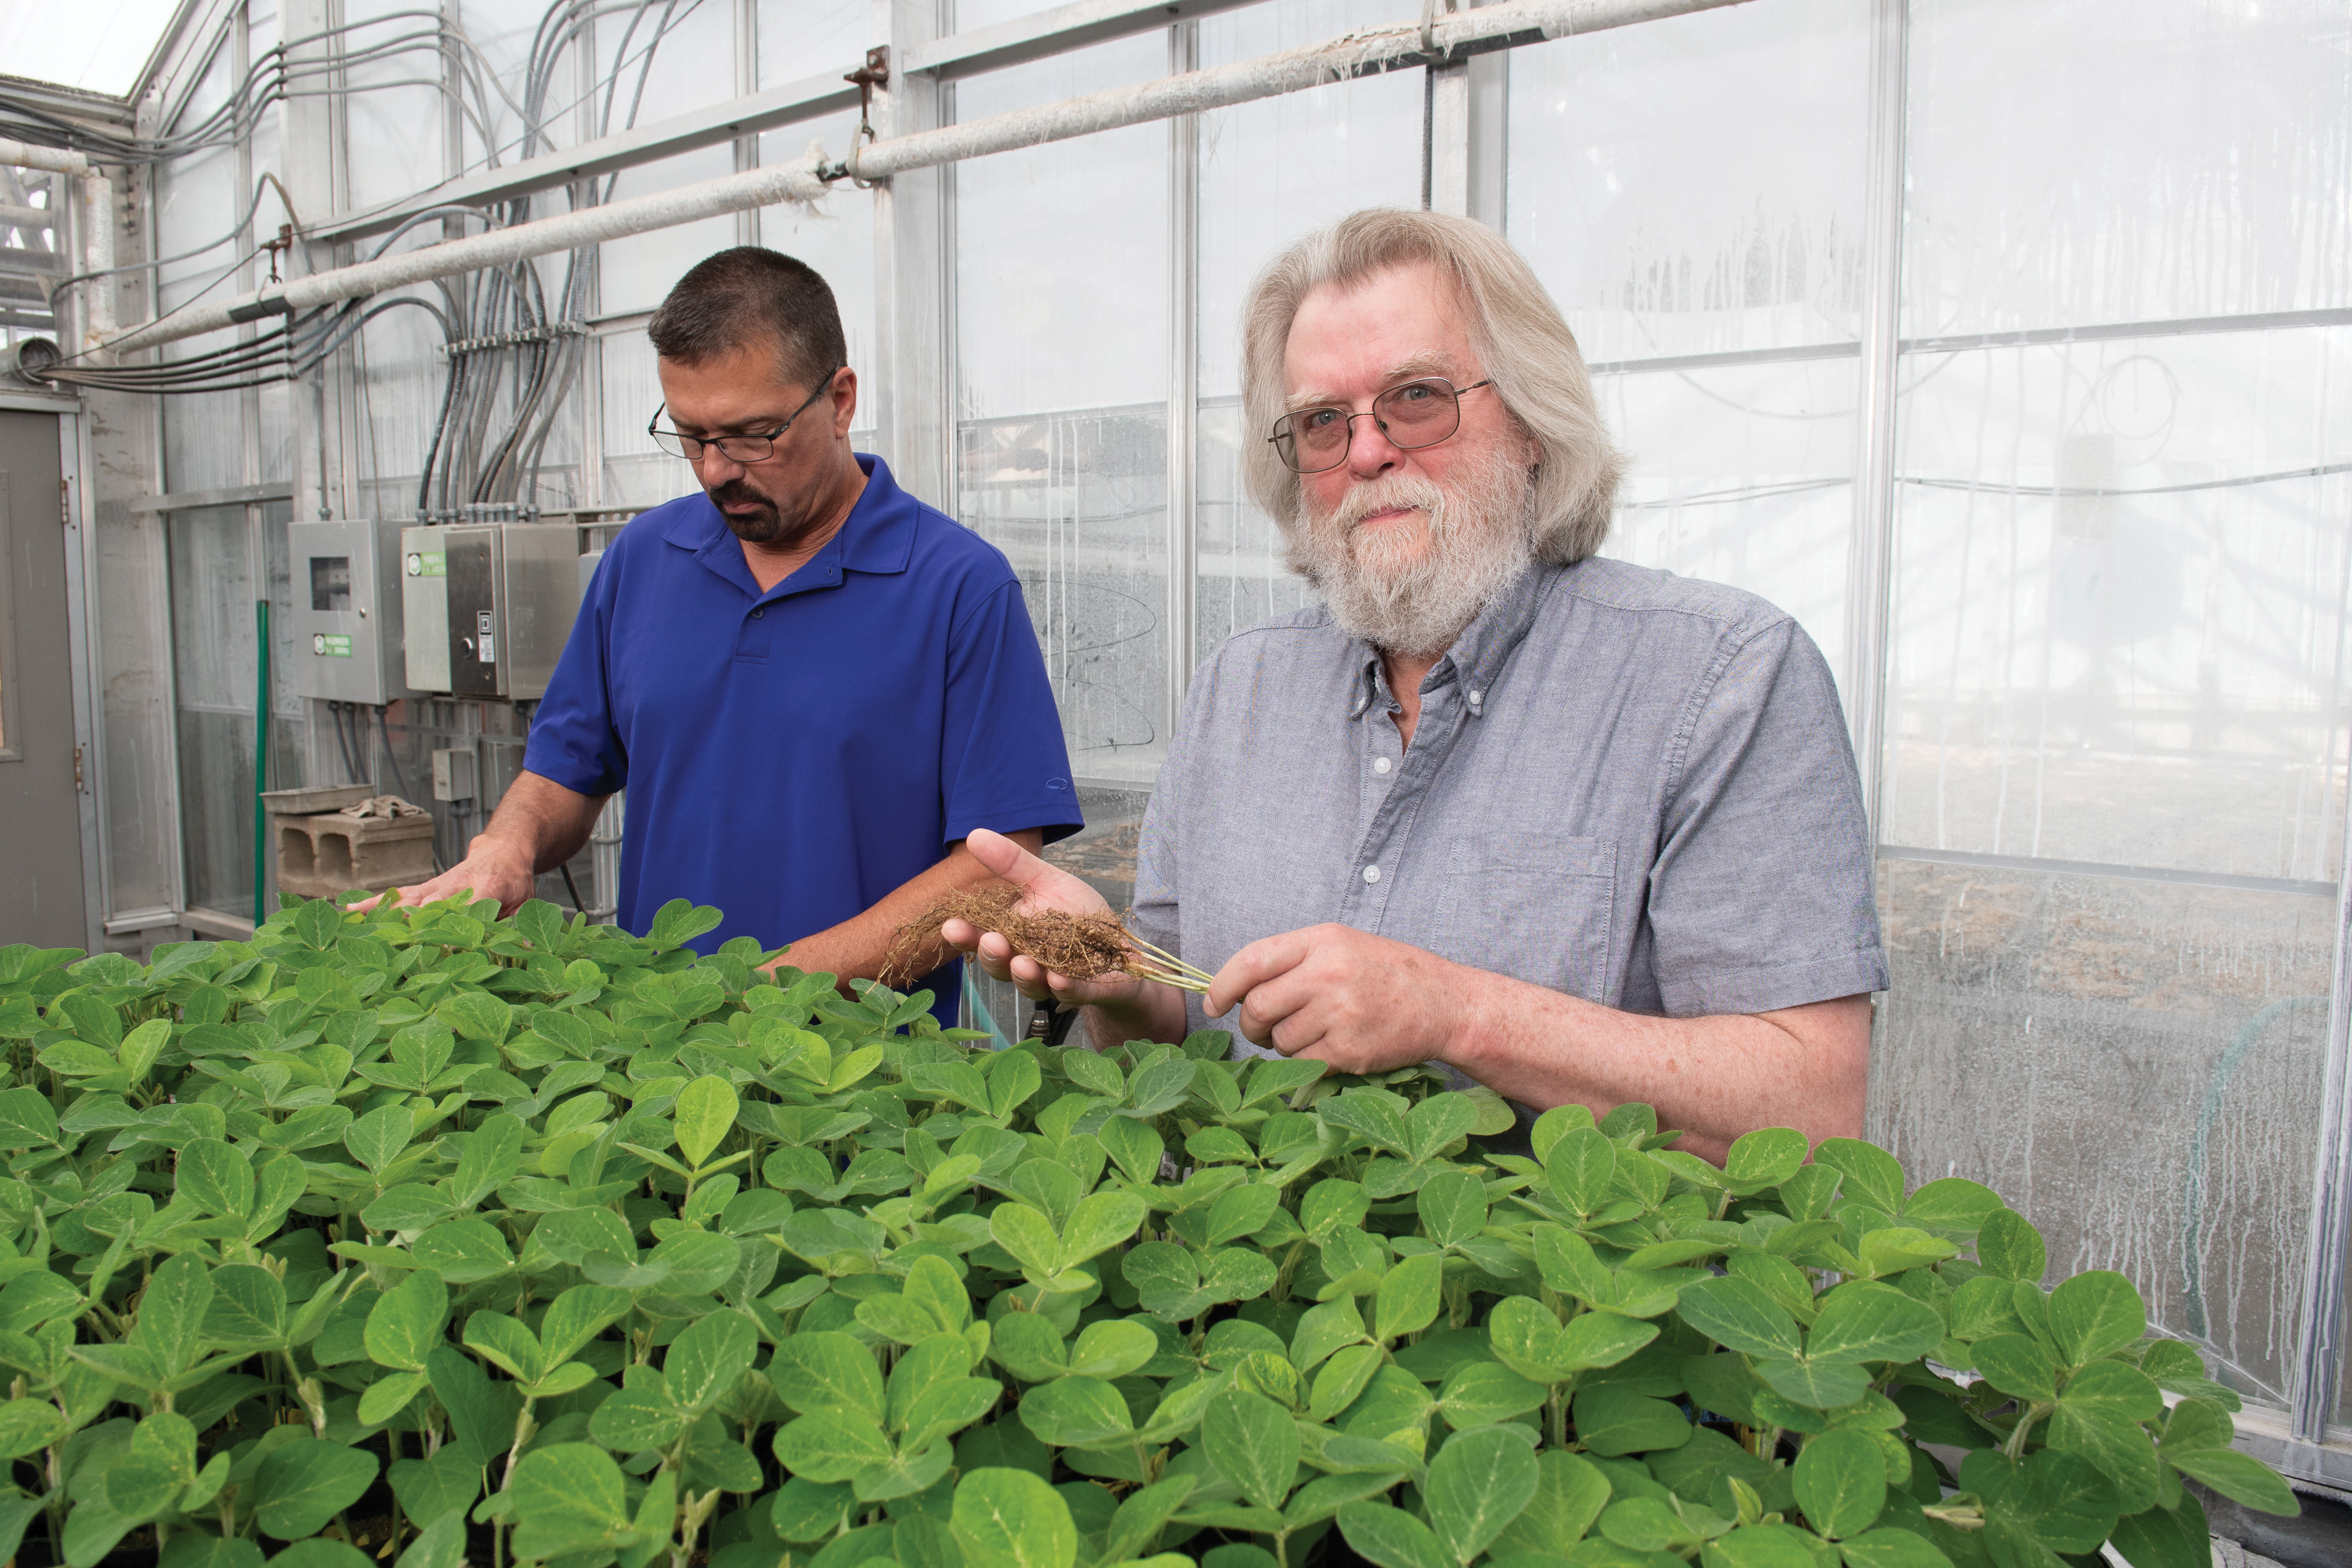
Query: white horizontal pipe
{"x": 56, "y": 160}
{"x": 1268, "y": 76}
{"x": 13, "y": 217}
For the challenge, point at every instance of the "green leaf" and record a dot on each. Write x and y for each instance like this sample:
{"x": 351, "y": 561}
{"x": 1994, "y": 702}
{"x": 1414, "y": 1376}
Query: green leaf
{"x": 27, "y": 1118}
{"x": 440, "y": 1544}
{"x": 2018, "y": 1365}
{"x": 1389, "y": 1536}
{"x": 491, "y": 1156}
{"x": 301, "y": 1486}
{"x": 1767, "y": 1546}
{"x": 2009, "y": 1247}
{"x": 2057, "y": 1500}
{"x": 705, "y": 1112}
{"x": 171, "y": 1313}
{"x": 1863, "y": 1322}
{"x": 568, "y": 1497}
{"x": 1481, "y": 1393}
{"x": 1029, "y": 1236}
{"x": 1453, "y": 1207}
{"x": 1765, "y": 1158}
{"x": 216, "y": 1177}
{"x": 1571, "y": 1492}
{"x": 1249, "y": 1441}
{"x": 388, "y": 1397}
{"x": 1891, "y": 1548}
{"x": 377, "y": 1139}
{"x": 1870, "y": 1173}
{"x": 406, "y": 1323}
{"x": 447, "y": 1483}
{"x": 679, "y": 921}
{"x": 1013, "y": 1518}
{"x": 827, "y": 1371}
{"x": 704, "y": 1361}
{"x": 1135, "y": 1147}
{"x": 1478, "y": 1484}
{"x": 1816, "y": 1384}
{"x": 1738, "y": 1315}
{"x": 1140, "y": 1518}
{"x": 811, "y": 1511}
{"x": 2162, "y": 1538}
{"x": 1841, "y": 1480}
{"x": 28, "y": 1426}
{"x": 1437, "y": 1122}
{"x": 1110, "y": 1350}
{"x": 1613, "y": 1419}
{"x": 826, "y": 1445}
{"x": 248, "y": 1308}
{"x": 2093, "y": 1314}
{"x": 2240, "y": 1478}
{"x": 1410, "y": 1295}
{"x": 1076, "y": 1413}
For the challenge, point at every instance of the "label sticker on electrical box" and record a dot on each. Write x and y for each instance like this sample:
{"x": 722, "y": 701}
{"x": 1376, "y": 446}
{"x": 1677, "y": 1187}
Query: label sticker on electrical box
{"x": 489, "y": 649}
{"x": 330, "y": 645}
{"x": 428, "y": 564}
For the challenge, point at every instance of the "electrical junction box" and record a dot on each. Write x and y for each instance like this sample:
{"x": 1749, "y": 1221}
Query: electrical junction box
{"x": 513, "y": 592}
{"x": 424, "y": 607}
{"x": 346, "y": 622}
{"x": 488, "y": 605}
{"x": 454, "y": 774}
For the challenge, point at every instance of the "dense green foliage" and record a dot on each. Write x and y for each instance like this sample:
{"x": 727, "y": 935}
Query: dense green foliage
{"x": 530, "y": 1240}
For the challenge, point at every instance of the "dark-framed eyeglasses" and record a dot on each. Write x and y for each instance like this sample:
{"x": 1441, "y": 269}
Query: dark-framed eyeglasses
{"x": 748, "y": 448}
{"x": 1413, "y": 414}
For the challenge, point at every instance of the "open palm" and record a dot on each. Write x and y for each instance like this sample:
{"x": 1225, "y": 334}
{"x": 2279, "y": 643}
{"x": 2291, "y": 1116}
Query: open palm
{"x": 1043, "y": 887}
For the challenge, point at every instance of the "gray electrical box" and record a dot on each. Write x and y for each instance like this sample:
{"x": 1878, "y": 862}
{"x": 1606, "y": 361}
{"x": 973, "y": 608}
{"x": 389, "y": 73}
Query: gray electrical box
{"x": 347, "y": 622}
{"x": 489, "y": 605}
{"x": 424, "y": 607}
{"x": 453, "y": 774}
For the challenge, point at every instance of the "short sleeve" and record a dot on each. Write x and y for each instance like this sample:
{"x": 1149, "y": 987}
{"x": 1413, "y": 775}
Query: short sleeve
{"x": 1004, "y": 764}
{"x": 1761, "y": 895}
{"x": 573, "y": 741}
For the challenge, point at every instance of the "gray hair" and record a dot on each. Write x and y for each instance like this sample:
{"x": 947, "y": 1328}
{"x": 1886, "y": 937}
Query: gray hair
{"x": 1520, "y": 335}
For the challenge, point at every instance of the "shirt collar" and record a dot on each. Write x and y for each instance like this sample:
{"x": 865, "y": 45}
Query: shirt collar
{"x": 1478, "y": 655}
{"x": 879, "y": 536}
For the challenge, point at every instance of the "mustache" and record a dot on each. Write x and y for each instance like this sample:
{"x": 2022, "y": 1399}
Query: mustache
{"x": 735, "y": 492}
{"x": 1362, "y": 500}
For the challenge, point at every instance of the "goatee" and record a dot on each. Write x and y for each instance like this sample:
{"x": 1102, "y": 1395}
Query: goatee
{"x": 1479, "y": 538}
{"x": 762, "y": 527}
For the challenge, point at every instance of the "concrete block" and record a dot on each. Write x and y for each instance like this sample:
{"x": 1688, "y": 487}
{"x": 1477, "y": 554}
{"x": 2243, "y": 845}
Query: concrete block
{"x": 320, "y": 855}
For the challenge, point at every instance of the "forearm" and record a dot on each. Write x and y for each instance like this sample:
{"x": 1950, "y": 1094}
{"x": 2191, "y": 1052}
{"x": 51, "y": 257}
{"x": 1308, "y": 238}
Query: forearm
{"x": 1714, "y": 1078}
{"x": 855, "y": 949}
{"x": 538, "y": 823}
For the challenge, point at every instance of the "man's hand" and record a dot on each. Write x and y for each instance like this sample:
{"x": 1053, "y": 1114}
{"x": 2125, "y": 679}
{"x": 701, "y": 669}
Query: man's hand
{"x": 1043, "y": 887}
{"x": 539, "y": 826}
{"x": 1336, "y": 994}
{"x": 492, "y": 869}
{"x": 1367, "y": 1005}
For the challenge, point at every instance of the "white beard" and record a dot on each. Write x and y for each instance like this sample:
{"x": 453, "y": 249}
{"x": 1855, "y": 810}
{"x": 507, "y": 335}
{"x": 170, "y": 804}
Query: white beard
{"x": 1480, "y": 540}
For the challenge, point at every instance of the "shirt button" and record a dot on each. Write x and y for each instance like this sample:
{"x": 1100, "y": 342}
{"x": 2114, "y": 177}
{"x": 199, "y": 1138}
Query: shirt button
{"x": 757, "y": 614}
{"x": 1380, "y": 765}
{"x": 1371, "y": 873}
{"x": 1476, "y": 698}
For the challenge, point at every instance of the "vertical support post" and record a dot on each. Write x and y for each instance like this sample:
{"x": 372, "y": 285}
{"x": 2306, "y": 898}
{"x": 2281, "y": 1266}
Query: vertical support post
{"x": 98, "y": 256}
{"x": 2319, "y": 1337}
{"x": 260, "y": 759}
{"x": 1445, "y": 139}
{"x": 1183, "y": 371}
{"x": 914, "y": 415}
{"x": 747, "y": 82}
{"x": 1488, "y": 159}
{"x": 309, "y": 145}
{"x": 1870, "y": 561}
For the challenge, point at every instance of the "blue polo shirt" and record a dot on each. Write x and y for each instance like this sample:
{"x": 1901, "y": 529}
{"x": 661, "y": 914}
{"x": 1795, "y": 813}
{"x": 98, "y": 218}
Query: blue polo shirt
{"x": 792, "y": 757}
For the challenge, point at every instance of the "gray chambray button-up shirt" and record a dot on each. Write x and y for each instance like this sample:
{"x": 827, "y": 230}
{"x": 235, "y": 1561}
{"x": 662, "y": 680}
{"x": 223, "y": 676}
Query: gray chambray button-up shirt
{"x": 1627, "y": 786}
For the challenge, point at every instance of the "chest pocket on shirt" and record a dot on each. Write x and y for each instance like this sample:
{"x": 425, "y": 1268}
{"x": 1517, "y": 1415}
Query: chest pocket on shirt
{"x": 1535, "y": 906}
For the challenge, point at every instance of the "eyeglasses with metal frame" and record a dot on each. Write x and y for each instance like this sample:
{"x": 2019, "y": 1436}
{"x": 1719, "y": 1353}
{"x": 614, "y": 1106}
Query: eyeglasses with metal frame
{"x": 748, "y": 448}
{"x": 1411, "y": 414}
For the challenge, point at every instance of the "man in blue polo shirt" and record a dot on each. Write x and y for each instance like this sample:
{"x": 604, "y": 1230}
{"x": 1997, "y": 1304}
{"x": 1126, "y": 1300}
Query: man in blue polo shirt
{"x": 812, "y": 685}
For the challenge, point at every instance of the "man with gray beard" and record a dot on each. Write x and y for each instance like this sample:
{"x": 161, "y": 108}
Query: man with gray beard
{"x": 1581, "y": 832}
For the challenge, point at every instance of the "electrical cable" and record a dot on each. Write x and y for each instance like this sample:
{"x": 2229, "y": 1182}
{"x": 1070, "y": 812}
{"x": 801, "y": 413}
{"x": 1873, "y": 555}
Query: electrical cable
{"x": 572, "y": 888}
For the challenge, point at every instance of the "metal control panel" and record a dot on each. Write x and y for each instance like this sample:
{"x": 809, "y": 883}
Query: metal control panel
{"x": 489, "y": 605}
{"x": 346, "y": 623}
{"x": 424, "y": 607}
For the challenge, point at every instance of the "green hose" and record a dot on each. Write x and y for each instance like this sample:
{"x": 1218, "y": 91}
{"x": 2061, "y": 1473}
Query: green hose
{"x": 261, "y": 763}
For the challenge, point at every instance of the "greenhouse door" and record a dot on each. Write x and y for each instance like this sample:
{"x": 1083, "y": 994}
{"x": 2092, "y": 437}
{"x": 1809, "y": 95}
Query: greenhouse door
{"x": 40, "y": 817}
